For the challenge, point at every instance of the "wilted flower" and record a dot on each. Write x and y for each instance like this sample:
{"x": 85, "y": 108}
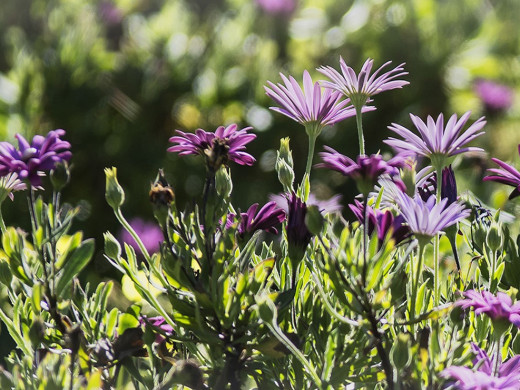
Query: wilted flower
{"x": 366, "y": 170}
{"x": 359, "y": 88}
{"x": 30, "y": 161}
{"x": 219, "y": 147}
{"x": 436, "y": 141}
{"x": 313, "y": 106}
{"x": 507, "y": 377}
{"x": 266, "y": 219}
{"x": 497, "y": 307}
{"x": 277, "y": 7}
{"x": 9, "y": 184}
{"x": 508, "y": 175}
{"x": 496, "y": 97}
{"x": 149, "y": 233}
{"x": 384, "y": 222}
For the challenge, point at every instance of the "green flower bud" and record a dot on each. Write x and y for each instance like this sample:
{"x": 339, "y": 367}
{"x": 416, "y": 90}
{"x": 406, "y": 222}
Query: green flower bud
{"x": 223, "y": 182}
{"x": 494, "y": 237}
{"x": 314, "y": 220}
{"x": 408, "y": 178}
{"x": 6, "y": 276}
{"x": 285, "y": 174}
{"x": 285, "y": 153}
{"x": 114, "y": 193}
{"x": 112, "y": 247}
{"x": 400, "y": 352}
{"x": 60, "y": 175}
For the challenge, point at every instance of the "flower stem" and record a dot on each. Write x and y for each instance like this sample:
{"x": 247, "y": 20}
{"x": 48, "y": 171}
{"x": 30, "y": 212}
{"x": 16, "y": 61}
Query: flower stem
{"x": 436, "y": 241}
{"x": 359, "y": 123}
{"x": 307, "y": 175}
{"x": 2, "y": 223}
{"x": 415, "y": 282}
{"x": 129, "y": 229}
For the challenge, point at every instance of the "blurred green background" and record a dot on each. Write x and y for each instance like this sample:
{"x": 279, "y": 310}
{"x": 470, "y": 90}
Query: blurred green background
{"x": 120, "y": 76}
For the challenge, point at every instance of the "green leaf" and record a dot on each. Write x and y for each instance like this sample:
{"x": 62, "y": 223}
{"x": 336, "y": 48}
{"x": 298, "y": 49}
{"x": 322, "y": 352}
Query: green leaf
{"x": 75, "y": 264}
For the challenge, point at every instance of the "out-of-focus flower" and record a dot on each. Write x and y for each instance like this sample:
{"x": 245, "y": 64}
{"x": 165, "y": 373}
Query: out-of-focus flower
{"x": 266, "y": 219}
{"x": 507, "y": 377}
{"x": 384, "y": 222}
{"x": 219, "y": 147}
{"x": 157, "y": 323}
{"x": 30, "y": 161}
{"x": 494, "y": 96}
{"x": 366, "y": 170}
{"x": 436, "y": 141}
{"x": 149, "y": 233}
{"x": 426, "y": 219}
{"x": 277, "y": 7}
{"x": 110, "y": 13}
{"x": 9, "y": 184}
{"x": 507, "y": 175}
{"x": 332, "y": 205}
{"x": 359, "y": 88}
{"x": 313, "y": 106}
{"x": 498, "y": 307}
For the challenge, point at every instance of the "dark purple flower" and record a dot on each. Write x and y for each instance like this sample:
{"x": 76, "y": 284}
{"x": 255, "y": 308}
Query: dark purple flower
{"x": 298, "y": 235}
{"x": 30, "y": 161}
{"x": 266, "y": 219}
{"x": 331, "y": 205}
{"x": 225, "y": 144}
{"x": 159, "y": 325}
{"x": 277, "y": 7}
{"x": 482, "y": 378}
{"x": 498, "y": 307}
{"x": 384, "y": 222}
{"x": 496, "y": 97}
{"x": 507, "y": 175}
{"x": 366, "y": 170}
{"x": 448, "y": 189}
{"x": 149, "y": 233}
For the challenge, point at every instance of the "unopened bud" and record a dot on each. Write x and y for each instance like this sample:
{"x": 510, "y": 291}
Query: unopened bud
{"x": 285, "y": 174}
{"x": 60, "y": 175}
{"x": 401, "y": 351}
{"x": 223, "y": 182}
{"x": 494, "y": 237}
{"x": 285, "y": 153}
{"x": 114, "y": 193}
{"x": 112, "y": 247}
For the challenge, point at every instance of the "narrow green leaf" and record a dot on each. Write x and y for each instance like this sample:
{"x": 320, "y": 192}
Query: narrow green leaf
{"x": 75, "y": 264}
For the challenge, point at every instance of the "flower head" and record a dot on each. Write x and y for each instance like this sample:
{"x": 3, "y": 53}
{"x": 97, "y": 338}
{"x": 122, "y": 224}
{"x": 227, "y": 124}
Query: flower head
{"x": 313, "y": 106}
{"x": 482, "y": 378}
{"x": 328, "y": 206}
{"x": 30, "y": 161}
{"x": 436, "y": 141}
{"x": 149, "y": 233}
{"x": 497, "y": 307}
{"x": 219, "y": 147}
{"x": 9, "y": 184}
{"x": 448, "y": 186}
{"x": 507, "y": 175}
{"x": 265, "y": 219}
{"x": 359, "y": 88}
{"x": 298, "y": 235}
{"x": 158, "y": 325}
{"x": 496, "y": 97}
{"x": 366, "y": 170}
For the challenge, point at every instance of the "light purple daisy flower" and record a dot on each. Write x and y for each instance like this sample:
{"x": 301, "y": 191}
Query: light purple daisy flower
{"x": 359, "y": 88}
{"x": 265, "y": 219}
{"x": 219, "y": 147}
{"x": 481, "y": 378}
{"x": 9, "y": 184}
{"x": 497, "y": 307}
{"x": 436, "y": 141}
{"x": 507, "y": 175}
{"x": 30, "y": 161}
{"x": 314, "y": 107}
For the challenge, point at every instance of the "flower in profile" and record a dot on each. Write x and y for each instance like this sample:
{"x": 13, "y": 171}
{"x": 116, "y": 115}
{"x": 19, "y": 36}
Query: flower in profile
{"x": 277, "y": 7}
{"x": 436, "y": 141}
{"x": 448, "y": 186}
{"x": 149, "y": 233}
{"x": 482, "y": 376}
{"x": 265, "y": 219}
{"x": 327, "y": 206}
{"x": 359, "y": 88}
{"x": 383, "y": 222}
{"x": 298, "y": 235}
{"x": 30, "y": 161}
{"x": 427, "y": 218}
{"x": 498, "y": 307}
{"x": 507, "y": 175}
{"x": 314, "y": 107}
{"x": 495, "y": 97}
{"x": 158, "y": 325}
{"x": 366, "y": 170}
{"x": 9, "y": 184}
{"x": 219, "y": 147}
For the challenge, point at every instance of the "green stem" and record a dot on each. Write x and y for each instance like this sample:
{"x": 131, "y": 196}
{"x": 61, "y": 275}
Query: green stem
{"x": 359, "y": 123}
{"x": 129, "y": 229}
{"x": 415, "y": 283}
{"x": 307, "y": 175}
{"x": 493, "y": 258}
{"x": 436, "y": 241}
{"x": 2, "y": 223}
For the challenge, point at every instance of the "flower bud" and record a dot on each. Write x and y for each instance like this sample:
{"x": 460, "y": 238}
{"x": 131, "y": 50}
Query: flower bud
{"x": 60, "y": 175}
{"x": 314, "y": 220}
{"x": 494, "y": 237}
{"x": 114, "y": 193}
{"x": 285, "y": 174}
{"x": 223, "y": 182}
{"x": 400, "y": 353}
{"x": 112, "y": 247}
{"x": 285, "y": 153}
{"x": 408, "y": 177}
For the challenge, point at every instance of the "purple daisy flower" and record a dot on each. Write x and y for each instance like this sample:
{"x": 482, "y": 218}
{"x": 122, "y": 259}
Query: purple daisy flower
{"x": 384, "y": 222}
{"x": 313, "y": 107}
{"x": 366, "y": 170}
{"x": 507, "y": 377}
{"x": 158, "y": 325}
{"x": 30, "y": 161}
{"x": 149, "y": 233}
{"x": 219, "y": 147}
{"x": 496, "y": 97}
{"x": 359, "y": 88}
{"x": 497, "y": 307}
{"x": 9, "y": 184}
{"x": 436, "y": 141}
{"x": 448, "y": 186}
{"x": 507, "y": 175}
{"x": 266, "y": 219}
{"x": 298, "y": 235}
{"x": 329, "y": 206}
